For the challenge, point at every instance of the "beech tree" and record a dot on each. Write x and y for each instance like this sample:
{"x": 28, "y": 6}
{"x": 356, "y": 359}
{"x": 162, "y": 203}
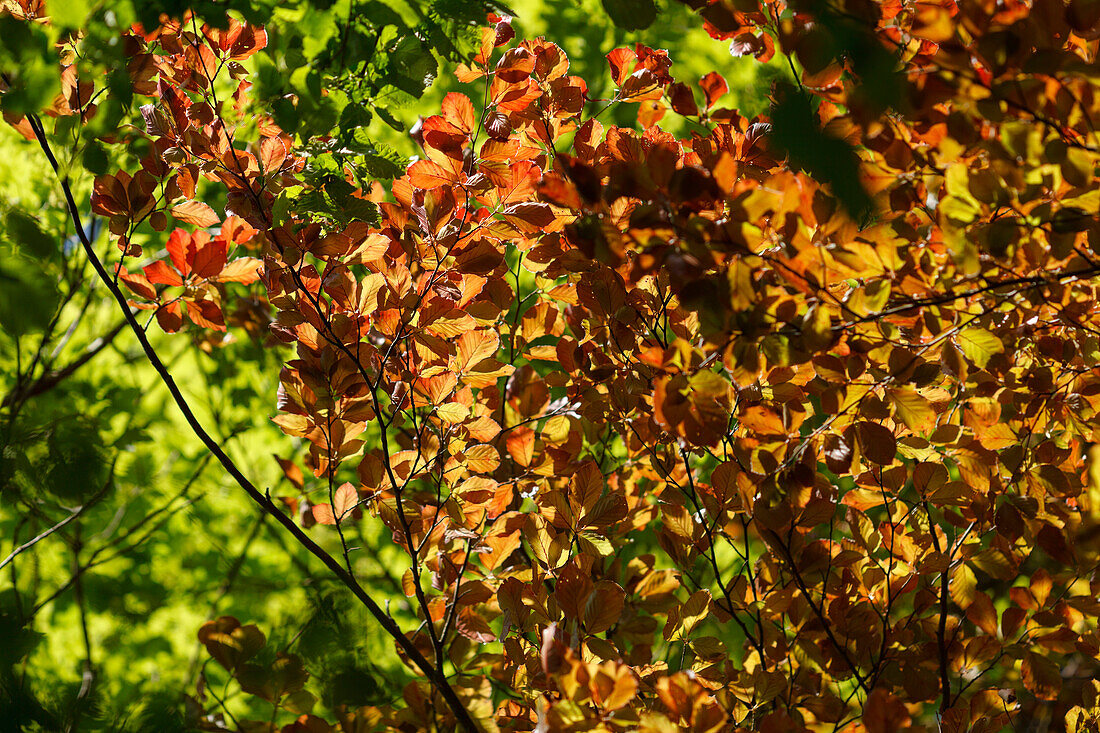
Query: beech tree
{"x": 704, "y": 422}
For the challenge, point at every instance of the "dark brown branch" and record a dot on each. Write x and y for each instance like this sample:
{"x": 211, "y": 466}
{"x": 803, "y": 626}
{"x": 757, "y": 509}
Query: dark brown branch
{"x": 818, "y": 612}
{"x": 260, "y": 498}
{"x": 941, "y": 631}
{"x": 1032, "y": 281}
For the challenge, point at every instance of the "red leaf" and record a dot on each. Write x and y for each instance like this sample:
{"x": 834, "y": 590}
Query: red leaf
{"x": 209, "y": 259}
{"x": 235, "y": 230}
{"x": 622, "y": 61}
{"x": 682, "y": 100}
{"x": 746, "y": 44}
{"x": 206, "y": 314}
{"x": 713, "y": 86}
{"x": 639, "y": 86}
{"x": 498, "y": 126}
{"x": 515, "y": 65}
{"x": 179, "y": 242}
{"x": 170, "y": 317}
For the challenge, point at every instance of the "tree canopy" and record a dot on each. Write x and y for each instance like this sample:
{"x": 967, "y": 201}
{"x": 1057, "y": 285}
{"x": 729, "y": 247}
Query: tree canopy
{"x": 454, "y": 366}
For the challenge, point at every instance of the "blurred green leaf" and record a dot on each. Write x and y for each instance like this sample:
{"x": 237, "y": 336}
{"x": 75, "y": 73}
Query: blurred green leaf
{"x": 797, "y": 133}
{"x": 631, "y": 15}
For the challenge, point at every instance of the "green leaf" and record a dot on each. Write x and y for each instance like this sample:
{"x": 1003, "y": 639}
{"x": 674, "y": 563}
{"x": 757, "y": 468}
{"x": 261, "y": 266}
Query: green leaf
{"x": 595, "y": 543}
{"x": 27, "y": 298}
{"x": 24, "y": 231}
{"x": 631, "y": 15}
{"x": 68, "y": 13}
{"x": 78, "y": 462}
{"x": 334, "y": 202}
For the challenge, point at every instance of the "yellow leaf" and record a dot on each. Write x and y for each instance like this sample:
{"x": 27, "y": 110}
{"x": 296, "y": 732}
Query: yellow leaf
{"x": 452, "y": 412}
{"x": 482, "y": 459}
{"x": 913, "y": 409}
{"x": 979, "y": 345}
{"x": 241, "y": 270}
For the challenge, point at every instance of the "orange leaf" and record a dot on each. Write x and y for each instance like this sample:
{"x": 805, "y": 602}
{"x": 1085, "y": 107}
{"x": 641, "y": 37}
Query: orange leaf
{"x": 473, "y": 347}
{"x": 521, "y": 445}
{"x": 1041, "y": 676}
{"x": 613, "y": 686}
{"x": 160, "y": 272}
{"x": 206, "y": 314}
{"x": 428, "y": 174}
{"x": 273, "y": 151}
{"x": 138, "y": 282}
{"x": 322, "y": 513}
{"x": 482, "y": 458}
{"x": 241, "y": 270}
{"x": 195, "y": 212}
{"x": 884, "y": 712}
{"x": 459, "y": 111}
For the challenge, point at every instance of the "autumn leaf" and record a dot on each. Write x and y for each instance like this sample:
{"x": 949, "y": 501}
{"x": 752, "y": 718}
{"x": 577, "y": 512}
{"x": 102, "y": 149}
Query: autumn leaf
{"x": 195, "y": 212}
{"x": 979, "y": 345}
{"x": 244, "y": 270}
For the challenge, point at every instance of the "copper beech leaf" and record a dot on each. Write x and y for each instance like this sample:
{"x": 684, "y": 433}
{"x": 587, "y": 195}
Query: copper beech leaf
{"x": 603, "y": 606}
{"x": 244, "y": 270}
{"x": 195, "y": 212}
{"x": 1041, "y": 676}
{"x": 230, "y": 643}
{"x": 876, "y": 443}
{"x": 833, "y": 361}
{"x": 979, "y": 345}
{"x": 913, "y": 409}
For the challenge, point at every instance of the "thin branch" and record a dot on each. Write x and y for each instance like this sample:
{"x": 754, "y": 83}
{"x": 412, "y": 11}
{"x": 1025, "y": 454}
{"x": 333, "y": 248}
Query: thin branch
{"x": 52, "y": 378}
{"x": 260, "y": 498}
{"x": 31, "y": 543}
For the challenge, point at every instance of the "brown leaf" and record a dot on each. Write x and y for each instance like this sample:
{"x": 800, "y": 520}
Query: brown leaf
{"x": 229, "y": 643}
{"x": 603, "y": 607}
{"x": 876, "y": 443}
{"x": 883, "y": 712}
{"x": 1041, "y": 676}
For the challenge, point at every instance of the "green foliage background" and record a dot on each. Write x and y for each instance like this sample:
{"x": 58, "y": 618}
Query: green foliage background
{"x": 173, "y": 542}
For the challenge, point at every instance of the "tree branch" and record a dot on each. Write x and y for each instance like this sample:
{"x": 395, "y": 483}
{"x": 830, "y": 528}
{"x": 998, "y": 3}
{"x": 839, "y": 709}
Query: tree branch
{"x": 260, "y": 498}
{"x": 52, "y": 378}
